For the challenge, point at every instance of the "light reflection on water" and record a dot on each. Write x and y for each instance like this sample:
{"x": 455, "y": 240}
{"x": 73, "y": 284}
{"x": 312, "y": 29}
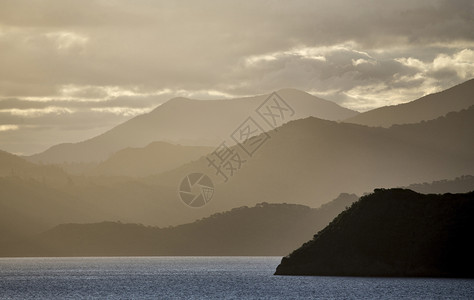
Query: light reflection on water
{"x": 201, "y": 277}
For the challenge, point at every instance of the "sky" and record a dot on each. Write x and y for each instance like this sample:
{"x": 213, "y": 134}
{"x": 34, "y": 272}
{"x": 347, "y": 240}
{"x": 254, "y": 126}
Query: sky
{"x": 70, "y": 70}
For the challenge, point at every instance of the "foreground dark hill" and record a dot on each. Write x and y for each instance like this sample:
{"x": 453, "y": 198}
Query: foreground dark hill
{"x": 426, "y": 108}
{"x": 266, "y": 229}
{"x": 155, "y": 158}
{"x": 187, "y": 122}
{"x": 392, "y": 233}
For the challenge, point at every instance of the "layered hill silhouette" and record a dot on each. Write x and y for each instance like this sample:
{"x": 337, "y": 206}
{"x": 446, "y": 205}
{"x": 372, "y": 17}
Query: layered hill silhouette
{"x": 15, "y": 166}
{"x": 307, "y": 162}
{"x": 187, "y": 122}
{"x": 426, "y": 108}
{"x": 462, "y": 184}
{"x": 313, "y": 159}
{"x": 392, "y": 233}
{"x": 155, "y": 158}
{"x": 265, "y": 229}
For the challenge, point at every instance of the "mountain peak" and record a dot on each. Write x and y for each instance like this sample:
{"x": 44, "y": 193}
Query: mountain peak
{"x": 176, "y": 100}
{"x": 296, "y": 92}
{"x": 179, "y": 99}
{"x": 291, "y": 90}
{"x": 190, "y": 122}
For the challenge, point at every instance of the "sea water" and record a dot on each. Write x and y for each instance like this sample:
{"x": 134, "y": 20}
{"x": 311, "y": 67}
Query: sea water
{"x": 201, "y": 278}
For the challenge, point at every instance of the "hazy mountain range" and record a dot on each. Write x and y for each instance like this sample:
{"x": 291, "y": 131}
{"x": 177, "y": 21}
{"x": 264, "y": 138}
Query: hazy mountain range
{"x": 312, "y": 159}
{"x": 461, "y": 184}
{"x": 265, "y": 229}
{"x": 155, "y": 158}
{"x": 209, "y": 122}
{"x": 133, "y": 174}
{"x": 188, "y": 122}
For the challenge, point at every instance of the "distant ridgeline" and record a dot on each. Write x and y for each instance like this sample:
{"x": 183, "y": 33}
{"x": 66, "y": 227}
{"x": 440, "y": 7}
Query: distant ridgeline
{"x": 266, "y": 229}
{"x": 462, "y": 184}
{"x": 395, "y": 232}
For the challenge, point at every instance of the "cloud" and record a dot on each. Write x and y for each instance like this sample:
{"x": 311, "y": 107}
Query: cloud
{"x": 66, "y": 60}
{"x": 67, "y": 41}
{"x": 192, "y": 46}
{"x": 462, "y": 63}
{"x": 35, "y": 112}
{"x": 445, "y": 68}
{"x": 360, "y": 78}
{"x": 123, "y": 111}
{"x": 7, "y": 127}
